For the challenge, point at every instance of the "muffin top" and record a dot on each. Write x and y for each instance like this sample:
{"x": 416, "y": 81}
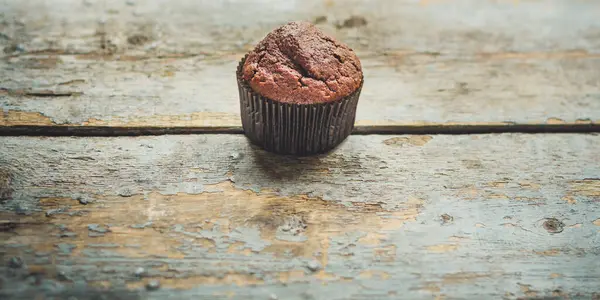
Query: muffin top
{"x": 297, "y": 63}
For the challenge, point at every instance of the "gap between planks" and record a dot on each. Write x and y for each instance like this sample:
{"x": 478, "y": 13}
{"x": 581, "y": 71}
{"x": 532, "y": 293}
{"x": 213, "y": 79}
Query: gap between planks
{"x": 358, "y": 130}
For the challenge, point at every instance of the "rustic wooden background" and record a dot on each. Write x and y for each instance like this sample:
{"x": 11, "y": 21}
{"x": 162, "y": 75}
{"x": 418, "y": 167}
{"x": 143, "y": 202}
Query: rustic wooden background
{"x": 165, "y": 63}
{"x": 503, "y": 214}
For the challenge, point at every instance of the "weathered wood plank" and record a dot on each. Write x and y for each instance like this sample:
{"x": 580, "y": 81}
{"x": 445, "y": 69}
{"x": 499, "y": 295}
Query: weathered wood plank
{"x": 426, "y": 63}
{"x": 211, "y": 217}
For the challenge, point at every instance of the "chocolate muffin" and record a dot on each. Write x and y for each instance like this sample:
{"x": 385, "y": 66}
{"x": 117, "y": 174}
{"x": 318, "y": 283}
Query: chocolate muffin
{"x": 299, "y": 89}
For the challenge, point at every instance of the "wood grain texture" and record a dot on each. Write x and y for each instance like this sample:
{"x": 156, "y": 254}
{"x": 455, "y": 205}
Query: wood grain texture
{"x": 171, "y": 63}
{"x": 382, "y": 217}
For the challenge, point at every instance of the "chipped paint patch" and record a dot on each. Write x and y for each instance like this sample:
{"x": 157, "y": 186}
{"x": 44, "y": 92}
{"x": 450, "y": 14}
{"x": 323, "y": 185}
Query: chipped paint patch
{"x": 471, "y": 192}
{"x": 550, "y": 252}
{"x": 431, "y": 287}
{"x": 463, "y": 277}
{"x": 555, "y": 121}
{"x": 374, "y": 274}
{"x": 497, "y": 196}
{"x": 372, "y": 238}
{"x": 291, "y": 276}
{"x": 527, "y": 290}
{"x": 585, "y": 188}
{"x": 16, "y": 118}
{"x": 455, "y": 238}
{"x": 441, "y": 248}
{"x": 385, "y": 254}
{"x": 569, "y": 199}
{"x": 582, "y": 189}
{"x": 528, "y": 199}
{"x": 413, "y": 140}
{"x": 496, "y": 190}
{"x": 495, "y": 184}
{"x": 468, "y": 192}
{"x": 529, "y": 185}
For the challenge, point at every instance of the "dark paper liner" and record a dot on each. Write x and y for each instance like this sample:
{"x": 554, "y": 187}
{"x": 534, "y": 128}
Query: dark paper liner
{"x": 298, "y": 129}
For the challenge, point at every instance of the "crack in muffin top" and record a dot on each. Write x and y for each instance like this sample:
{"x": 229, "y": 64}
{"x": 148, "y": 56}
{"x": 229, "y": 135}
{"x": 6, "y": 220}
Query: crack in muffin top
{"x": 297, "y": 63}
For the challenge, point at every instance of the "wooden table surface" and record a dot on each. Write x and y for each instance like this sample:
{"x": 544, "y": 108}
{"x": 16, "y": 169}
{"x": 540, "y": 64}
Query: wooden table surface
{"x": 473, "y": 173}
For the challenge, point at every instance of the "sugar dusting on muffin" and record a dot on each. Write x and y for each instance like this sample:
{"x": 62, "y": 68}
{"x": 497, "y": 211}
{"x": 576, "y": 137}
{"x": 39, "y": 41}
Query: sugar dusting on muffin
{"x": 297, "y": 63}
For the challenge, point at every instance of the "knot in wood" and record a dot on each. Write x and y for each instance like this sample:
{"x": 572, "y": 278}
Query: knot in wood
{"x": 553, "y": 225}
